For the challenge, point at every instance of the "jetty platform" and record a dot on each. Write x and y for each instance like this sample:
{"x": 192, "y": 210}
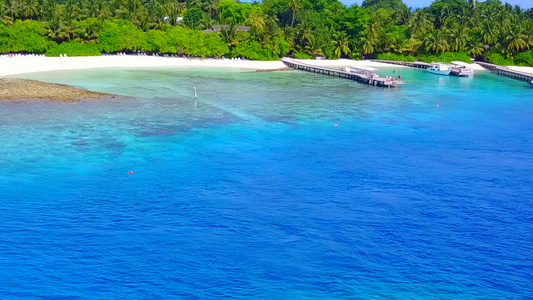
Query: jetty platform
{"x": 415, "y": 64}
{"x": 368, "y": 79}
{"x": 504, "y": 71}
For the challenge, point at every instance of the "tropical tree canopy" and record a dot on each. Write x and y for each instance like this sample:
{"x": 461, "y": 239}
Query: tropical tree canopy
{"x": 270, "y": 29}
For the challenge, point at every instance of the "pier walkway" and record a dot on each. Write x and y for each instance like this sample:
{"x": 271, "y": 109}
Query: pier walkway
{"x": 415, "y": 64}
{"x": 504, "y": 71}
{"x": 361, "y": 78}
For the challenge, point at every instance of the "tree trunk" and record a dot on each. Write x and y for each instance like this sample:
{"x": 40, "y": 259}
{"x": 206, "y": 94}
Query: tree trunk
{"x": 292, "y": 23}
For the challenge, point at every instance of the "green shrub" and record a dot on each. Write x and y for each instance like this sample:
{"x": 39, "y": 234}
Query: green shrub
{"x": 186, "y": 41}
{"x": 251, "y": 50}
{"x": 214, "y": 45}
{"x": 119, "y": 35}
{"x": 395, "y": 57}
{"x": 355, "y": 55}
{"x": 24, "y": 36}
{"x": 154, "y": 41}
{"x": 446, "y": 57}
{"x": 73, "y": 49}
{"x": 524, "y": 59}
{"x": 301, "y": 55}
{"x": 498, "y": 59}
{"x": 278, "y": 46}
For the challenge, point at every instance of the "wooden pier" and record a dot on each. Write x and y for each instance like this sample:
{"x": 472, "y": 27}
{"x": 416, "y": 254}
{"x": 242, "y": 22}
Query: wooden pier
{"x": 504, "y": 71}
{"x": 374, "y": 80}
{"x": 416, "y": 64}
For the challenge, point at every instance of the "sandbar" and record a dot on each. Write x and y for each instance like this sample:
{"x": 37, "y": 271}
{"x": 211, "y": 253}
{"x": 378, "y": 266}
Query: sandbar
{"x": 24, "y": 89}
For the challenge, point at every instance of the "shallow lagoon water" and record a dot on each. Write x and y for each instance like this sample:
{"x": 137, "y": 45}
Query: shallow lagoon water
{"x": 256, "y": 192}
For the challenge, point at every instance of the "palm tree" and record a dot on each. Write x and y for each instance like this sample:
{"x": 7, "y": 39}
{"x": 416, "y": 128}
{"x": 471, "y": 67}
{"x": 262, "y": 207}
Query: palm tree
{"x": 314, "y": 47}
{"x": 369, "y": 38}
{"x": 503, "y": 19}
{"x": 341, "y": 44}
{"x": 212, "y": 8}
{"x": 490, "y": 33}
{"x": 69, "y": 15}
{"x": 474, "y": 47}
{"x": 53, "y": 28}
{"x": 529, "y": 35}
{"x": 367, "y": 44}
{"x": 390, "y": 43}
{"x": 193, "y": 3}
{"x": 3, "y": 13}
{"x": 294, "y": 5}
{"x": 92, "y": 8}
{"x": 29, "y": 9}
{"x": 48, "y": 10}
{"x": 66, "y": 32}
{"x": 257, "y": 24}
{"x": 436, "y": 42}
{"x": 229, "y": 34}
{"x": 420, "y": 23}
{"x": 87, "y": 30}
{"x": 411, "y": 46}
{"x": 10, "y": 9}
{"x": 305, "y": 30}
{"x": 516, "y": 40}
{"x": 290, "y": 36}
{"x": 458, "y": 36}
{"x": 172, "y": 10}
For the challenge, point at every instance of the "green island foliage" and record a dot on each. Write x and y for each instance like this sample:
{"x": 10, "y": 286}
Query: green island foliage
{"x": 385, "y": 29}
{"x": 73, "y": 48}
{"x": 395, "y": 57}
{"x": 524, "y": 58}
{"x": 445, "y": 57}
{"x": 499, "y": 59}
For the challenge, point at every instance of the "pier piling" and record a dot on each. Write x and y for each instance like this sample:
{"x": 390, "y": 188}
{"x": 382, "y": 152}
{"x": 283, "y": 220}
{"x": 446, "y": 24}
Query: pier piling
{"x": 361, "y": 78}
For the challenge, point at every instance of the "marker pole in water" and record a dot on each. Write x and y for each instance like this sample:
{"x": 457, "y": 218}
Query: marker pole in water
{"x": 195, "y": 98}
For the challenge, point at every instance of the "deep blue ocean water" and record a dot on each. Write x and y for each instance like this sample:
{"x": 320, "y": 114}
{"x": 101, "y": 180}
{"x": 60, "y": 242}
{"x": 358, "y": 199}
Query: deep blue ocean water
{"x": 257, "y": 194}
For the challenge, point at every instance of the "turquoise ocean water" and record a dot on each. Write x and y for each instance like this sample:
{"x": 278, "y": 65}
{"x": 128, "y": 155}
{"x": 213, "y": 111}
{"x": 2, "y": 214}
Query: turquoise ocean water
{"x": 424, "y": 192}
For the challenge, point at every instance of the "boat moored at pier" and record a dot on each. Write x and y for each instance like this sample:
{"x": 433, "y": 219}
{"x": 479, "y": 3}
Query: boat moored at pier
{"x": 461, "y": 69}
{"x": 439, "y": 69}
{"x": 361, "y": 74}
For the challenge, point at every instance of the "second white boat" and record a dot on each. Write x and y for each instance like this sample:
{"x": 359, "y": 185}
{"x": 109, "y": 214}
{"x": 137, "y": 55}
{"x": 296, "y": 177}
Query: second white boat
{"x": 440, "y": 69}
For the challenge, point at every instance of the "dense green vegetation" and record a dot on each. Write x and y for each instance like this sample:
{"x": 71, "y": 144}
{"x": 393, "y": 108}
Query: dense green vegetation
{"x": 386, "y": 29}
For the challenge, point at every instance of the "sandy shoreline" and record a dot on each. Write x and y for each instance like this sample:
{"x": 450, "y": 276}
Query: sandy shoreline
{"x": 10, "y": 66}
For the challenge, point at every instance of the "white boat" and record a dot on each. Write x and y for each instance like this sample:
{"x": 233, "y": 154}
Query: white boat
{"x": 462, "y": 69}
{"x": 440, "y": 69}
{"x": 531, "y": 83}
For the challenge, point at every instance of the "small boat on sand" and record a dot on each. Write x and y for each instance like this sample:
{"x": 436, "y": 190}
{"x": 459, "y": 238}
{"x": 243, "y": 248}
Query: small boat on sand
{"x": 439, "y": 69}
{"x": 461, "y": 69}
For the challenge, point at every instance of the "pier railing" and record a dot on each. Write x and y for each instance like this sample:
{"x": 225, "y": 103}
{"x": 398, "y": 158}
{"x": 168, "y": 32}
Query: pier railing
{"x": 504, "y": 71}
{"x": 374, "y": 80}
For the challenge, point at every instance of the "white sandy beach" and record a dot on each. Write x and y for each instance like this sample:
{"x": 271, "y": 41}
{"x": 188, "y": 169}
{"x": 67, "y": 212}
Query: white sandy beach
{"x": 31, "y": 64}
{"x": 10, "y": 66}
